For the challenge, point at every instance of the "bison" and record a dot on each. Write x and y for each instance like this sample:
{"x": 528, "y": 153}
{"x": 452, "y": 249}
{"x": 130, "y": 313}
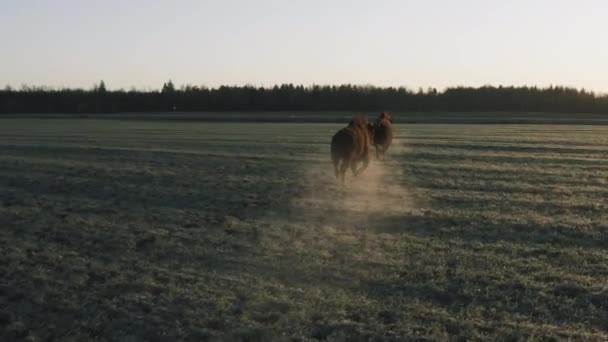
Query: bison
{"x": 351, "y": 145}
{"x": 383, "y": 134}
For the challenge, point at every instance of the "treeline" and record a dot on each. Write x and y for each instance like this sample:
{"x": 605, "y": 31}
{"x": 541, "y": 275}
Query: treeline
{"x": 297, "y": 97}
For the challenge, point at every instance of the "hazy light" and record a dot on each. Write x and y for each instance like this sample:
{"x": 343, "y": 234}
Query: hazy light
{"x": 412, "y": 43}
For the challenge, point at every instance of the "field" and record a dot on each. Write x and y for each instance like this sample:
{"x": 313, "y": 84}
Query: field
{"x": 141, "y": 230}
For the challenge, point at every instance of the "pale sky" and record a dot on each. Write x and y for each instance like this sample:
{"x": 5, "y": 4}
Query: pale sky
{"x": 423, "y": 43}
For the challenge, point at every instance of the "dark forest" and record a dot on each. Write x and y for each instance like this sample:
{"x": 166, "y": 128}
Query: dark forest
{"x": 300, "y": 98}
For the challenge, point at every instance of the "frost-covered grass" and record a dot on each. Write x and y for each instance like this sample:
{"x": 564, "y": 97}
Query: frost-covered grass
{"x": 151, "y": 230}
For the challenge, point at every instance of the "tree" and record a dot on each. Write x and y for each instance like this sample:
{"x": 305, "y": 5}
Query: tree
{"x": 102, "y": 87}
{"x": 169, "y": 96}
{"x": 168, "y": 87}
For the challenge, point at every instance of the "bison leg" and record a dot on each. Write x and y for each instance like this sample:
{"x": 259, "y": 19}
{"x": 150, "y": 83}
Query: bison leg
{"x": 353, "y": 167}
{"x": 336, "y": 170}
{"x": 343, "y": 169}
{"x": 363, "y": 167}
{"x": 384, "y": 149}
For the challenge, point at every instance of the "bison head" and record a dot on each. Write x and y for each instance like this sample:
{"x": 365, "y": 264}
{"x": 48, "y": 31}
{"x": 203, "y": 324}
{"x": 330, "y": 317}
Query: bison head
{"x": 385, "y": 116}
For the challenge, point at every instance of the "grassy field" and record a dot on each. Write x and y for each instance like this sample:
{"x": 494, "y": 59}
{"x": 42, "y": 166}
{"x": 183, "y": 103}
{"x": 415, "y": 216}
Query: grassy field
{"x": 162, "y": 231}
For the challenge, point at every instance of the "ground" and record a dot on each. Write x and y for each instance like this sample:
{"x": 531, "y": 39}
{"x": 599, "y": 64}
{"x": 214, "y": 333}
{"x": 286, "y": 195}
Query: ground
{"x": 159, "y": 231}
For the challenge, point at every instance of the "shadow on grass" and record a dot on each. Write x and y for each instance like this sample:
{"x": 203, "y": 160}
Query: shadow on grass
{"x": 450, "y": 227}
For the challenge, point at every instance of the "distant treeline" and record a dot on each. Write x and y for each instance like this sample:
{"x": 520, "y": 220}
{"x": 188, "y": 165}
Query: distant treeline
{"x": 297, "y": 97}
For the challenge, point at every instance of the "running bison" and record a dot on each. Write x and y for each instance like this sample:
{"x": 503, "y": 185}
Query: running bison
{"x": 350, "y": 146}
{"x": 383, "y": 134}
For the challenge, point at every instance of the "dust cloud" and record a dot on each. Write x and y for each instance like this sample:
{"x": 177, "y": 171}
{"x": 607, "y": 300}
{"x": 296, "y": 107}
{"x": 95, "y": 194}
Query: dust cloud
{"x": 374, "y": 194}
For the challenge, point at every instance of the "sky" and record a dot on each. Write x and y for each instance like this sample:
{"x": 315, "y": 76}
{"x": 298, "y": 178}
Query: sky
{"x": 425, "y": 43}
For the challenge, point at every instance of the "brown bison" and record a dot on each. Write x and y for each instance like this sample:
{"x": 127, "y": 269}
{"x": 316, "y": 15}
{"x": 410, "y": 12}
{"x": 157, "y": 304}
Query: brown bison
{"x": 383, "y": 134}
{"x": 351, "y": 145}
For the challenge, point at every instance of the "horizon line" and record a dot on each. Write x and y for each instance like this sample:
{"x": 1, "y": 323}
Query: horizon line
{"x": 25, "y": 86}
